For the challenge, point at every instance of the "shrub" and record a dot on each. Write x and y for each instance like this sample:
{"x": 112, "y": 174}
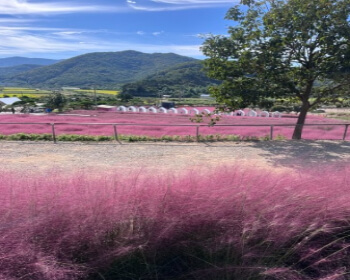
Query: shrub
{"x": 281, "y": 108}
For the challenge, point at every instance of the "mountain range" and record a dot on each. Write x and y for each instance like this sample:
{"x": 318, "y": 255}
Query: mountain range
{"x": 18, "y": 60}
{"x": 105, "y": 70}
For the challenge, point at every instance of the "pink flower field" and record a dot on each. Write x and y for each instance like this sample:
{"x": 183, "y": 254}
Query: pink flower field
{"x": 147, "y": 124}
{"x": 232, "y": 223}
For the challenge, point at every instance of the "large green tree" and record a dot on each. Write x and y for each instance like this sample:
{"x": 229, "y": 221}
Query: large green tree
{"x": 282, "y": 48}
{"x": 56, "y": 100}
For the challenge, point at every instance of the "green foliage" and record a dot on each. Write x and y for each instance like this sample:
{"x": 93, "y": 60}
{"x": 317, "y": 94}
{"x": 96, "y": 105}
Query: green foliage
{"x": 282, "y": 108}
{"x": 27, "y": 137}
{"x": 7, "y": 72}
{"x": 209, "y": 118}
{"x": 74, "y": 137}
{"x": 125, "y": 96}
{"x": 181, "y": 81}
{"x": 56, "y": 100}
{"x": 284, "y": 48}
{"x": 133, "y": 138}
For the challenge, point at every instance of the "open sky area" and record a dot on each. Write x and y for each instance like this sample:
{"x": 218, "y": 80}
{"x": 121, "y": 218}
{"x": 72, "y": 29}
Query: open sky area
{"x": 62, "y": 29}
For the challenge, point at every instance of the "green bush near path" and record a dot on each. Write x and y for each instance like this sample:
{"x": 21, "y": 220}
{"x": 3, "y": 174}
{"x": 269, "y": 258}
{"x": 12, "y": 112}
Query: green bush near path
{"x": 134, "y": 138}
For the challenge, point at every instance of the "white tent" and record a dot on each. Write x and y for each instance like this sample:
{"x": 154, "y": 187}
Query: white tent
{"x": 276, "y": 114}
{"x": 142, "y": 109}
{"x": 162, "y": 110}
{"x": 132, "y": 109}
{"x": 194, "y": 111}
{"x": 240, "y": 113}
{"x": 121, "y": 109}
{"x": 152, "y": 110}
{"x": 264, "y": 114}
{"x": 206, "y": 111}
{"x": 173, "y": 110}
{"x": 183, "y": 111}
{"x": 252, "y": 113}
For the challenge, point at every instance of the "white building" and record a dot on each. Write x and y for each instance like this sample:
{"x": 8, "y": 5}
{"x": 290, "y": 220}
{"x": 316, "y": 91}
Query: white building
{"x": 8, "y": 100}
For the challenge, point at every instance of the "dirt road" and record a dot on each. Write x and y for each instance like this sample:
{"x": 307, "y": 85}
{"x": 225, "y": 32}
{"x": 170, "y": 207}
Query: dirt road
{"x": 42, "y": 156}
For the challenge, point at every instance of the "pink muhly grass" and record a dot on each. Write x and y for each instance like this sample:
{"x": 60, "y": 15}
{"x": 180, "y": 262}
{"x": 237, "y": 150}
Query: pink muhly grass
{"x": 310, "y": 132}
{"x": 229, "y": 223}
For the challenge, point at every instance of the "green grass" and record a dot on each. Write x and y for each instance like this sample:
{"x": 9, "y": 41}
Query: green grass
{"x": 339, "y": 116}
{"x": 133, "y": 138}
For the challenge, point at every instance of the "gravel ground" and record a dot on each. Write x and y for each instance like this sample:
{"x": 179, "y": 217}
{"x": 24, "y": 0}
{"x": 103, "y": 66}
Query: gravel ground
{"x": 43, "y": 156}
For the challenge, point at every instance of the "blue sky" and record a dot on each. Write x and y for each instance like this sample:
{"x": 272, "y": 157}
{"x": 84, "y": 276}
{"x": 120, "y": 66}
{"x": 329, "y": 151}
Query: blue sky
{"x": 61, "y": 29}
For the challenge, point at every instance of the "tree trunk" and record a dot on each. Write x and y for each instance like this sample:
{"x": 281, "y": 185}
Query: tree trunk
{"x": 301, "y": 120}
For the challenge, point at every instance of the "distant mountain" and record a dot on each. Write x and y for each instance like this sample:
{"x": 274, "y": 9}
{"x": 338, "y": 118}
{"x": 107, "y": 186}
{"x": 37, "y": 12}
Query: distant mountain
{"x": 6, "y": 72}
{"x": 17, "y": 60}
{"x": 105, "y": 69}
{"x": 185, "y": 80}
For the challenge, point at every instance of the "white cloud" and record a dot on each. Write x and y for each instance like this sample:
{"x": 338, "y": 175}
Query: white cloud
{"x": 157, "y": 33}
{"x": 22, "y": 7}
{"x": 55, "y": 43}
{"x": 173, "y": 5}
{"x": 140, "y": 33}
{"x": 16, "y": 20}
{"x": 191, "y": 2}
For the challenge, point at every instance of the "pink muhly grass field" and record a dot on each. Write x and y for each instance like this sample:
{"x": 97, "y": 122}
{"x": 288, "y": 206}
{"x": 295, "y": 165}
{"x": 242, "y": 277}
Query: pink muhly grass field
{"x": 310, "y": 132}
{"x": 230, "y": 223}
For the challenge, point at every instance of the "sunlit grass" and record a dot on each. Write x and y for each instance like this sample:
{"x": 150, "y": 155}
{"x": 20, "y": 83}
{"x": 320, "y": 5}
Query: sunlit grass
{"x": 100, "y": 91}
{"x": 19, "y": 95}
{"x": 19, "y": 92}
{"x": 339, "y": 116}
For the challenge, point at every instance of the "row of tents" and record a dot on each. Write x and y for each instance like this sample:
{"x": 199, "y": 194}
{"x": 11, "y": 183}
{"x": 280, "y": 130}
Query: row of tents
{"x": 195, "y": 111}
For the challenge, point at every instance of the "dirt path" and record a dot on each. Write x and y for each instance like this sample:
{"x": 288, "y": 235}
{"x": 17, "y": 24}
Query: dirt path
{"x": 42, "y": 156}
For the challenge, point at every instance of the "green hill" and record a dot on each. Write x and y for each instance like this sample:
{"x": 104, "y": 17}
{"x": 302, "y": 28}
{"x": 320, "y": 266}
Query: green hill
{"x": 6, "y": 72}
{"x": 185, "y": 80}
{"x": 102, "y": 70}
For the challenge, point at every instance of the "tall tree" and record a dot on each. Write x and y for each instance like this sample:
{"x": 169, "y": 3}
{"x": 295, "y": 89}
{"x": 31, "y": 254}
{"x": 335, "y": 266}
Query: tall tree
{"x": 56, "y": 100}
{"x": 282, "y": 48}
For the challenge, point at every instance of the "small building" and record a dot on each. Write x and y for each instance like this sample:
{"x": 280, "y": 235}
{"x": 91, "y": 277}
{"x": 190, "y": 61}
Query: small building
{"x": 8, "y": 100}
{"x": 206, "y": 96}
{"x": 106, "y": 108}
{"x": 70, "y": 88}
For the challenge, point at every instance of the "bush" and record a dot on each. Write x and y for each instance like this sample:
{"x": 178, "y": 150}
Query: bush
{"x": 281, "y": 108}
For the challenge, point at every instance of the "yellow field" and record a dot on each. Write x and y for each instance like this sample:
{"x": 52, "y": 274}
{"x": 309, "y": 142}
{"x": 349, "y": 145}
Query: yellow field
{"x": 101, "y": 91}
{"x": 19, "y": 95}
{"x": 19, "y": 92}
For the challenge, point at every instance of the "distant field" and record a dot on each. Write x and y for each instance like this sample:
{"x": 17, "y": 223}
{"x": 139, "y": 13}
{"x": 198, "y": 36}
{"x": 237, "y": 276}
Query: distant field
{"x": 37, "y": 93}
{"x": 18, "y": 92}
{"x": 100, "y": 91}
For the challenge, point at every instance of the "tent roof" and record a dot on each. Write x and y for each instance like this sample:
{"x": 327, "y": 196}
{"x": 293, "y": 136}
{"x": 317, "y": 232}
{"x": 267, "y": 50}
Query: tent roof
{"x": 9, "y": 100}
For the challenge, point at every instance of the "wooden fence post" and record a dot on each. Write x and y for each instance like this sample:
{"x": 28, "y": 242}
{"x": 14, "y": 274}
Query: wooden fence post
{"x": 345, "y": 131}
{"x": 53, "y": 133}
{"x": 271, "y": 132}
{"x": 115, "y": 133}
